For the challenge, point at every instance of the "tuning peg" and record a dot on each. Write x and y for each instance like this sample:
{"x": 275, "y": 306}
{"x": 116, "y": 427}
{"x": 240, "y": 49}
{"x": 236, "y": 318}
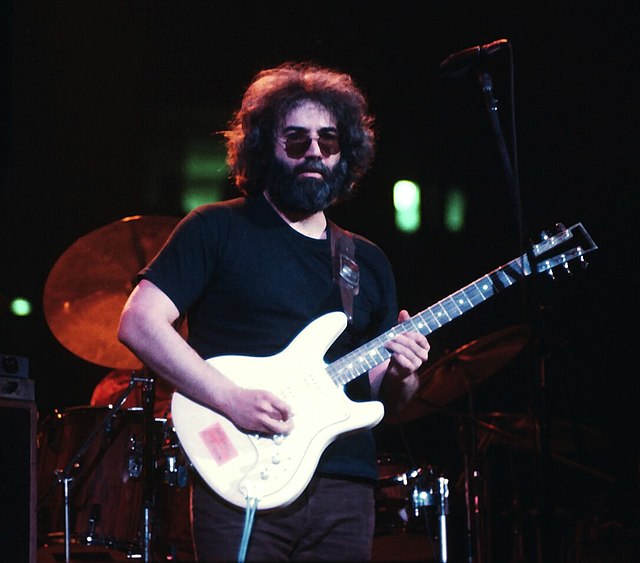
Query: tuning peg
{"x": 583, "y": 263}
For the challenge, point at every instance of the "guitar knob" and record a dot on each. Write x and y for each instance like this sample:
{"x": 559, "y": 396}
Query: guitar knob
{"x": 278, "y": 439}
{"x": 264, "y": 473}
{"x": 275, "y": 459}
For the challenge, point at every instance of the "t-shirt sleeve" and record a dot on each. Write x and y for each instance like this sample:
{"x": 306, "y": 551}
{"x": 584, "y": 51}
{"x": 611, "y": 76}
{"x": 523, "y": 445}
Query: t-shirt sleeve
{"x": 184, "y": 265}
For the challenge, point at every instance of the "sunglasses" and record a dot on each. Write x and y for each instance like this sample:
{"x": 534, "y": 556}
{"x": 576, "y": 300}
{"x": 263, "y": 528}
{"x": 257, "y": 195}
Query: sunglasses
{"x": 297, "y": 144}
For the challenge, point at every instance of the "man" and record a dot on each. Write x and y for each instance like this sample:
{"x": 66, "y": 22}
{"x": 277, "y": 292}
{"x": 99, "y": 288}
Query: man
{"x": 251, "y": 274}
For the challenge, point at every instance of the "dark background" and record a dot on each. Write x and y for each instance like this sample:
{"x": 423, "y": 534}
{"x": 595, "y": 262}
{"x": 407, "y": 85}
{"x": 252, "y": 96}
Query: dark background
{"x": 100, "y": 103}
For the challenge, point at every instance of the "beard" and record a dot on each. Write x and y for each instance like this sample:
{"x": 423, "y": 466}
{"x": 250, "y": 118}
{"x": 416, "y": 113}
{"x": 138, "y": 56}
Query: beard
{"x": 303, "y": 195}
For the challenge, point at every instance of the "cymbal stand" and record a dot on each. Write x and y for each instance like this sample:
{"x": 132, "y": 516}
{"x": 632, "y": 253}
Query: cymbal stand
{"x": 474, "y": 500}
{"x": 65, "y": 475}
{"x": 443, "y": 511}
{"x": 148, "y": 398}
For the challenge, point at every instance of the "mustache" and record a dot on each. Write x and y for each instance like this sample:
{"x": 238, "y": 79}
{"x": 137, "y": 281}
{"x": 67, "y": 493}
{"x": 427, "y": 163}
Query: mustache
{"x": 311, "y": 166}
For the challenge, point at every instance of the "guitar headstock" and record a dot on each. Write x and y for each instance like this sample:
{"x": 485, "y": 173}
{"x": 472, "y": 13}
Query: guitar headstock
{"x": 562, "y": 247}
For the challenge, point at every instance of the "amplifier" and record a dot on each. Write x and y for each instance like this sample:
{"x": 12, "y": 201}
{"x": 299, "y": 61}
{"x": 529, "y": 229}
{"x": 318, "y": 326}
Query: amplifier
{"x": 14, "y": 366}
{"x": 18, "y": 388}
{"x": 18, "y": 530}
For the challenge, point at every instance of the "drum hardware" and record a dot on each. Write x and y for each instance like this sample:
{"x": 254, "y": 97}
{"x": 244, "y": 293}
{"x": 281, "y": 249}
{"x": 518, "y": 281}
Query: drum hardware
{"x": 94, "y": 518}
{"x": 407, "y": 501}
{"x": 148, "y": 397}
{"x": 65, "y": 475}
{"x": 175, "y": 473}
{"x": 75, "y": 468}
{"x": 134, "y": 460}
{"x": 436, "y": 494}
{"x": 442, "y": 516}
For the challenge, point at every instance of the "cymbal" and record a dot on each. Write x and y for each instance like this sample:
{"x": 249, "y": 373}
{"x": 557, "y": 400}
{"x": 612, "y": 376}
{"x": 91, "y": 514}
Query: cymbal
{"x": 89, "y": 284}
{"x": 519, "y": 430}
{"x": 453, "y": 375}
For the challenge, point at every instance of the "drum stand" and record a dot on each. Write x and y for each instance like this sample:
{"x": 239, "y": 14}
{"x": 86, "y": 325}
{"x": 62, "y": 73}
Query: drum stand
{"x": 65, "y": 476}
{"x": 148, "y": 400}
{"x": 443, "y": 510}
{"x": 422, "y": 498}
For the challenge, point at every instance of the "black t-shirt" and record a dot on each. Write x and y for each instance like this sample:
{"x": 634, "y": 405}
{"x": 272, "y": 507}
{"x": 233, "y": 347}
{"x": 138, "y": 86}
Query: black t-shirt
{"x": 249, "y": 284}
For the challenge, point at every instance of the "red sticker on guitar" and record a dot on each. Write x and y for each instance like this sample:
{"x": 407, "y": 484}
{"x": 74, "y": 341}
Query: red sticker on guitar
{"x": 218, "y": 443}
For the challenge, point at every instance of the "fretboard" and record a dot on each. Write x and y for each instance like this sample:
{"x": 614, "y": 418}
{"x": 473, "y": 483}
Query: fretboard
{"x": 373, "y": 353}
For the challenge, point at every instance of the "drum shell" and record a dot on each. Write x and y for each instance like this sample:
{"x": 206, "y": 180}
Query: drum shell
{"x": 105, "y": 486}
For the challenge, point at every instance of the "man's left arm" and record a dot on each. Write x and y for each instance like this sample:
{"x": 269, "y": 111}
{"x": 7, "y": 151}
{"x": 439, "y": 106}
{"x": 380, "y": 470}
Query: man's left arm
{"x": 396, "y": 380}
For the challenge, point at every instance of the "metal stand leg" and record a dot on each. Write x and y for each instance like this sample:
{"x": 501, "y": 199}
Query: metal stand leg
{"x": 67, "y": 540}
{"x": 434, "y": 495}
{"x": 148, "y": 466}
{"x": 443, "y": 510}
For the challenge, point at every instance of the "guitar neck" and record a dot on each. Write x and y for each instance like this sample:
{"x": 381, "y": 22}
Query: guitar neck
{"x": 429, "y": 320}
{"x": 444, "y": 311}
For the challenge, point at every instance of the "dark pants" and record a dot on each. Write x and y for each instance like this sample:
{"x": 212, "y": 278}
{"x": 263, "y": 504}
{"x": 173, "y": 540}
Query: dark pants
{"x": 333, "y": 520}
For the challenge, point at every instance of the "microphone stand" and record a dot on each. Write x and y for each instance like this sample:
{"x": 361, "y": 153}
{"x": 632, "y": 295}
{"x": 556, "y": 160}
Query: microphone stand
{"x": 543, "y": 453}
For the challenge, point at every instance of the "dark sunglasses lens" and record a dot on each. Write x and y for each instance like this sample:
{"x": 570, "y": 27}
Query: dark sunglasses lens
{"x": 297, "y": 147}
{"x": 329, "y": 145}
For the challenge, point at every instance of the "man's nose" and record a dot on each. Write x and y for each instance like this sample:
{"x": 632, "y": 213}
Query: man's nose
{"x": 314, "y": 148}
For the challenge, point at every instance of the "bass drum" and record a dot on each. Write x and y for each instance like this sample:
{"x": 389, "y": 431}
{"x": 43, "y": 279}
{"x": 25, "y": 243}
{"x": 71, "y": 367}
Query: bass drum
{"x": 106, "y": 490}
{"x": 405, "y": 519}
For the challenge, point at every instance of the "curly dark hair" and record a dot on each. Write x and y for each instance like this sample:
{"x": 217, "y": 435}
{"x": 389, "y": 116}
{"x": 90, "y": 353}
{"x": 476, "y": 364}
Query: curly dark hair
{"x": 250, "y": 139}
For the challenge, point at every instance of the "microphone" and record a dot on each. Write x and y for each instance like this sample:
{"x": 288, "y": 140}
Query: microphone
{"x": 470, "y": 58}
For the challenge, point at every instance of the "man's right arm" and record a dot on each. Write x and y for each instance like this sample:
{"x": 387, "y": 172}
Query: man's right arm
{"x": 147, "y": 329}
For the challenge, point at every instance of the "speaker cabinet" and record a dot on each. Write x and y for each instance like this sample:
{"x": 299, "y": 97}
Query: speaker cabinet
{"x": 18, "y": 420}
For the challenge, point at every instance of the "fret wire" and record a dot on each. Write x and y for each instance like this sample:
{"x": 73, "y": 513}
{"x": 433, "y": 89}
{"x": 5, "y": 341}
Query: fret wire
{"x": 433, "y": 321}
{"x": 452, "y": 313}
{"x": 454, "y": 300}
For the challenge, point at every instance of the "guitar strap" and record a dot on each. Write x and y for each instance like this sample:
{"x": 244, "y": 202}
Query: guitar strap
{"x": 345, "y": 270}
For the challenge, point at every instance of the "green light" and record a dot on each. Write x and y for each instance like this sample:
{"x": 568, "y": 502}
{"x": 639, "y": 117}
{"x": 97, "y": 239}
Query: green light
{"x": 406, "y": 202}
{"x": 204, "y": 173}
{"x": 204, "y": 167}
{"x": 454, "y": 210}
{"x": 20, "y": 307}
{"x": 196, "y": 195}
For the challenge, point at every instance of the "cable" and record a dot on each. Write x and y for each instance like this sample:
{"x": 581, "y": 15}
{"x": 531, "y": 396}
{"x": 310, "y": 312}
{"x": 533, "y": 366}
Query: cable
{"x": 250, "y": 512}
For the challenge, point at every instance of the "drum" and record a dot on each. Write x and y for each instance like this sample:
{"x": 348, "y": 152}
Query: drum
{"x": 392, "y": 494}
{"x": 407, "y": 501}
{"x": 106, "y": 488}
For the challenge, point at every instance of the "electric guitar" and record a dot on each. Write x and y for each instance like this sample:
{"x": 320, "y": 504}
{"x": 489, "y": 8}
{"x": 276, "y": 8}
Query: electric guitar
{"x": 274, "y": 470}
